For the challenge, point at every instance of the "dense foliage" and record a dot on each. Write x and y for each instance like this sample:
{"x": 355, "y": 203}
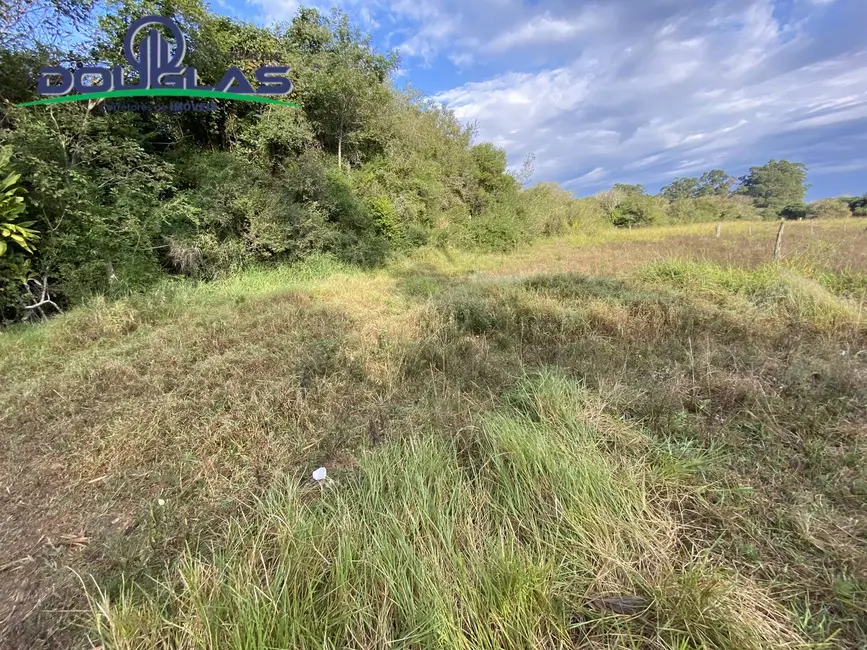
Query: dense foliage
{"x": 360, "y": 170}
{"x": 106, "y": 202}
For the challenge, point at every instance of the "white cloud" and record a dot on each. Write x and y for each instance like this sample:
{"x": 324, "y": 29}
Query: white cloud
{"x": 600, "y": 89}
{"x": 759, "y": 34}
{"x": 683, "y": 97}
{"x": 274, "y": 10}
{"x": 542, "y": 28}
{"x": 508, "y": 104}
{"x": 422, "y": 44}
{"x": 853, "y": 166}
{"x": 595, "y": 174}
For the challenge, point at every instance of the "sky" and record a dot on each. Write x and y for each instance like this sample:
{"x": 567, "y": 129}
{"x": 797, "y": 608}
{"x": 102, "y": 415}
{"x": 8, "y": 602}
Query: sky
{"x": 635, "y": 91}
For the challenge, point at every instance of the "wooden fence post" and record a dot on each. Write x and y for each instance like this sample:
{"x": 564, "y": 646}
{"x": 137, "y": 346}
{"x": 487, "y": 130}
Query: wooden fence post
{"x": 778, "y": 246}
{"x": 718, "y": 229}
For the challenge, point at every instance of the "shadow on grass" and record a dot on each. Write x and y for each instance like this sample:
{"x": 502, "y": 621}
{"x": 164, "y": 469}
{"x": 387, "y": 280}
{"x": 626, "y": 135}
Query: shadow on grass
{"x": 161, "y": 434}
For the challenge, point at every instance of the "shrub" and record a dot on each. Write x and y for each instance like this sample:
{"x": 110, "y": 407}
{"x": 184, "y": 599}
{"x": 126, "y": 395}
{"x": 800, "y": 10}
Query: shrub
{"x": 550, "y": 210}
{"x": 495, "y": 231}
{"x": 793, "y": 211}
{"x": 637, "y": 210}
{"x": 386, "y": 218}
{"x": 711, "y": 208}
{"x": 589, "y": 215}
{"x": 828, "y": 209}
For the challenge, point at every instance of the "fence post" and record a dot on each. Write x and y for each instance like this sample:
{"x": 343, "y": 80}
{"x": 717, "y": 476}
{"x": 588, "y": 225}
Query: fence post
{"x": 718, "y": 229}
{"x": 778, "y": 246}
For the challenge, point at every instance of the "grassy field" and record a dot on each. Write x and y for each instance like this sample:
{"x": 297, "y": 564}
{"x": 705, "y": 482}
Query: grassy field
{"x": 645, "y": 439}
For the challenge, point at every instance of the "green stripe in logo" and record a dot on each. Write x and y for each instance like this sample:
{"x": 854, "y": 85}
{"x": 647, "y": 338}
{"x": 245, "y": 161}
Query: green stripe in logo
{"x": 160, "y": 92}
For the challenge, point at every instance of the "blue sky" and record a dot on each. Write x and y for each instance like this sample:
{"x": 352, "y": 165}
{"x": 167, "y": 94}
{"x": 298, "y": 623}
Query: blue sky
{"x": 635, "y": 91}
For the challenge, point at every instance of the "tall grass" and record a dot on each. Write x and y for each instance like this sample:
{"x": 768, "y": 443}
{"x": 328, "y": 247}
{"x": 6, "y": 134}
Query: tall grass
{"x": 103, "y": 320}
{"x": 782, "y": 290}
{"x": 525, "y": 532}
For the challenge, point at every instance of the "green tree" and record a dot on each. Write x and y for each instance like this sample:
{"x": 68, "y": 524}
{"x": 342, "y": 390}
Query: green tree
{"x": 681, "y": 188}
{"x": 489, "y": 175}
{"x": 794, "y": 211}
{"x": 349, "y": 89}
{"x": 629, "y": 190}
{"x": 776, "y": 185}
{"x": 716, "y": 182}
{"x": 637, "y": 210}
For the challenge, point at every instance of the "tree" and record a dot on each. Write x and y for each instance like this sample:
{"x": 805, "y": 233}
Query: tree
{"x": 490, "y": 181}
{"x": 793, "y": 211}
{"x": 629, "y": 190}
{"x": 681, "y": 188}
{"x": 349, "y": 89}
{"x": 634, "y": 209}
{"x": 716, "y": 182}
{"x": 490, "y": 167}
{"x": 528, "y": 168}
{"x": 776, "y": 185}
{"x": 29, "y": 23}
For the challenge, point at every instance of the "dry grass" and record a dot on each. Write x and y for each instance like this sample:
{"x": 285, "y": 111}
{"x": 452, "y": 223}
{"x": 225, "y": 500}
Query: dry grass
{"x": 733, "y": 388}
{"x": 834, "y": 246}
{"x": 524, "y": 532}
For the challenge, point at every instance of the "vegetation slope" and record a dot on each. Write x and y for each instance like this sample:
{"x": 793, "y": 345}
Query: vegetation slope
{"x": 99, "y": 201}
{"x": 645, "y": 439}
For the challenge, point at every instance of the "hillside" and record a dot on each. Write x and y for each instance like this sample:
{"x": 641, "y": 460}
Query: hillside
{"x": 650, "y": 438}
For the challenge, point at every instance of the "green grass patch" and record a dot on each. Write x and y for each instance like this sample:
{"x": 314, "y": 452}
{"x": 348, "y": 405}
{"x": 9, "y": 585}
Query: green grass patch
{"x": 774, "y": 289}
{"x": 521, "y": 533}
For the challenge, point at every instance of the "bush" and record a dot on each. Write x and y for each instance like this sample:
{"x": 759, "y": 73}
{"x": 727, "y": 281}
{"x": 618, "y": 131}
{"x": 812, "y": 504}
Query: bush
{"x": 386, "y": 218}
{"x": 590, "y": 215}
{"x": 550, "y": 210}
{"x": 691, "y": 211}
{"x": 858, "y": 205}
{"x": 495, "y": 231}
{"x": 828, "y": 209}
{"x": 637, "y": 210}
{"x": 94, "y": 200}
{"x": 711, "y": 208}
{"x": 792, "y": 211}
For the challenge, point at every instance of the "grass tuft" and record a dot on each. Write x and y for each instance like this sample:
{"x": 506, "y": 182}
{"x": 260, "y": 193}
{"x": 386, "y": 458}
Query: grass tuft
{"x": 506, "y": 537}
{"x": 780, "y": 290}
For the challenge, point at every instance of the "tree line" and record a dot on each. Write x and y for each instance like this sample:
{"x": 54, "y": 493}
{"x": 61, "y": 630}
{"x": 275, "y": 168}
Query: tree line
{"x": 775, "y": 190}
{"x": 97, "y": 201}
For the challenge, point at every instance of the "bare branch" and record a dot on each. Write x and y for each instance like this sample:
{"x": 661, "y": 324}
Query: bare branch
{"x": 44, "y": 298}
{"x": 43, "y": 302}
